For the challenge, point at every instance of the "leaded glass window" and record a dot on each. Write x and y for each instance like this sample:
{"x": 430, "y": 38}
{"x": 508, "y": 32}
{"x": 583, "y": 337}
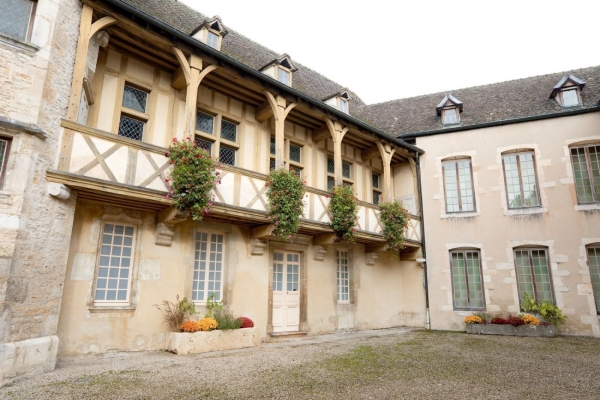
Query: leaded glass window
{"x": 131, "y": 128}
{"x": 343, "y": 277}
{"x": 376, "y": 182}
{"x": 593, "y": 253}
{"x": 204, "y": 122}
{"x": 204, "y": 144}
{"x": 330, "y": 183}
{"x": 521, "y": 184}
{"x": 272, "y": 146}
{"x": 208, "y": 267}
{"x": 346, "y": 170}
{"x": 3, "y": 155}
{"x": 467, "y": 282}
{"x": 15, "y": 18}
{"x": 458, "y": 186}
{"x": 533, "y": 274}
{"x": 135, "y": 99}
{"x": 226, "y": 155}
{"x": 115, "y": 264}
{"x": 330, "y": 166}
{"x": 228, "y": 131}
{"x": 295, "y": 152}
{"x": 586, "y": 173}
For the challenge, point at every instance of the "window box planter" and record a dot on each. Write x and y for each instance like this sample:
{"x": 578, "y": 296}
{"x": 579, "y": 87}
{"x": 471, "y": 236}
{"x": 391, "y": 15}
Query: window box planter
{"x": 204, "y": 342}
{"x": 509, "y": 330}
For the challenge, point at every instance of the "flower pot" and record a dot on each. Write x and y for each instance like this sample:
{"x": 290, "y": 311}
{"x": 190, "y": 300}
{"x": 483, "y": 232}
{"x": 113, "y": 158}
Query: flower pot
{"x": 509, "y": 330}
{"x": 203, "y": 342}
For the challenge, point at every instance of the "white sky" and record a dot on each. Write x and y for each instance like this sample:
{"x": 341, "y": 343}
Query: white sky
{"x": 385, "y": 50}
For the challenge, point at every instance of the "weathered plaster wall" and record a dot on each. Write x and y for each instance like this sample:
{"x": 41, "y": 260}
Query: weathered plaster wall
{"x": 560, "y": 224}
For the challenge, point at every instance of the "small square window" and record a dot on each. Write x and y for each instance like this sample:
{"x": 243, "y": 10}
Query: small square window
{"x": 330, "y": 183}
{"x": 450, "y": 116}
{"x": 227, "y": 155}
{"x": 135, "y": 99}
{"x": 16, "y": 18}
{"x": 570, "y": 98}
{"x": 204, "y": 122}
{"x": 131, "y": 128}
{"x": 283, "y": 76}
{"x": 376, "y": 178}
{"x": 228, "y": 131}
{"x": 376, "y": 197}
{"x": 212, "y": 40}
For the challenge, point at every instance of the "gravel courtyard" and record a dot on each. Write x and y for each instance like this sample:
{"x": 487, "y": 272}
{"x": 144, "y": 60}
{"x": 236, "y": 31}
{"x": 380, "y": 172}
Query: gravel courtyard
{"x": 381, "y": 364}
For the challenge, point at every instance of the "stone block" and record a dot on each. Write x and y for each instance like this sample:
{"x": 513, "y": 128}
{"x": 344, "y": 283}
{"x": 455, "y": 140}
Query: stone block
{"x": 27, "y": 357}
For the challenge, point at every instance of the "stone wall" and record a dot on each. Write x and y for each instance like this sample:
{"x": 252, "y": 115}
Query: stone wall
{"x": 36, "y": 85}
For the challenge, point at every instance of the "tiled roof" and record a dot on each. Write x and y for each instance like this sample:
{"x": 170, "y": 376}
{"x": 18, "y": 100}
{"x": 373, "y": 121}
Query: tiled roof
{"x": 503, "y": 101}
{"x": 239, "y": 47}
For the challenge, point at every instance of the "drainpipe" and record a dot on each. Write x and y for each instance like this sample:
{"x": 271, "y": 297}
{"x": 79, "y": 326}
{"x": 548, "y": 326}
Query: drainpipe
{"x": 423, "y": 248}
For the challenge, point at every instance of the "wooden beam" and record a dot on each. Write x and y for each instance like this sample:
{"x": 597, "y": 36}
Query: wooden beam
{"x": 143, "y": 55}
{"x": 321, "y": 133}
{"x": 370, "y": 153}
{"x": 178, "y": 79}
{"x": 264, "y": 112}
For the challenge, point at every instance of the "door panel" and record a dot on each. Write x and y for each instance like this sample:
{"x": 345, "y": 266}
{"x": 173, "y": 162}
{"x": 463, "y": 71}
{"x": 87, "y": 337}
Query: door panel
{"x": 286, "y": 292}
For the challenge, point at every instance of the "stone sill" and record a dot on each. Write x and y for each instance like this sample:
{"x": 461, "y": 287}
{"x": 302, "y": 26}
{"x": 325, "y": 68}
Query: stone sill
{"x": 103, "y": 309}
{"x": 509, "y": 330}
{"x": 587, "y": 207}
{"x": 19, "y": 44}
{"x": 204, "y": 342}
{"x": 515, "y": 212}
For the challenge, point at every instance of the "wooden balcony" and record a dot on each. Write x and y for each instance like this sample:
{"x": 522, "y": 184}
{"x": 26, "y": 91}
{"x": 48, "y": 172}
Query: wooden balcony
{"x": 112, "y": 169}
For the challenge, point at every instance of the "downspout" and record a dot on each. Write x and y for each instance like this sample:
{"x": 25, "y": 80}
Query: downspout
{"x": 423, "y": 248}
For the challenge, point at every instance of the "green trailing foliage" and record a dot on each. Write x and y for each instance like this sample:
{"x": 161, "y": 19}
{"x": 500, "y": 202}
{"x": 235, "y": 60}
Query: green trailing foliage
{"x": 394, "y": 220}
{"x": 193, "y": 177}
{"x": 285, "y": 191}
{"x": 344, "y": 211}
{"x": 545, "y": 309}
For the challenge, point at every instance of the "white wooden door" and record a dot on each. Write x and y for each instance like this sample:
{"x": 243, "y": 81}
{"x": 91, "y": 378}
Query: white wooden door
{"x": 286, "y": 292}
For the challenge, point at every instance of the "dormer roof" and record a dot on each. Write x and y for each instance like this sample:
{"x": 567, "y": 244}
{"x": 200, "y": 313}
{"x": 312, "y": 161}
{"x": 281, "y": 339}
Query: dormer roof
{"x": 214, "y": 24}
{"x": 444, "y": 103}
{"x": 284, "y": 60}
{"x": 567, "y": 78}
{"x": 343, "y": 93}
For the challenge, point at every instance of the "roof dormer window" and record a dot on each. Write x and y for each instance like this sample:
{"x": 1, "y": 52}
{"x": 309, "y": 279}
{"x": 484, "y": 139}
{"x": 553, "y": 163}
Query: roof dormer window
{"x": 339, "y": 100}
{"x": 567, "y": 91}
{"x": 211, "y": 32}
{"x": 449, "y": 109}
{"x": 281, "y": 69}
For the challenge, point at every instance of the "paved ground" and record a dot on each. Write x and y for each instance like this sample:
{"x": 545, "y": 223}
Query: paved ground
{"x": 382, "y": 364}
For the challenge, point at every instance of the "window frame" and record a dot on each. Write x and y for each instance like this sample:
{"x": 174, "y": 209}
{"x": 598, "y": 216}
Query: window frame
{"x": 30, "y": 24}
{"x": 444, "y": 167}
{"x": 292, "y": 164}
{"x": 588, "y": 163}
{"x": 286, "y": 71}
{"x": 456, "y": 115}
{"x": 376, "y": 189}
{"x": 575, "y": 91}
{"x": 331, "y": 175}
{"x": 130, "y": 113}
{"x": 537, "y": 185}
{"x": 532, "y": 272}
{"x": 348, "y": 279}
{"x": 215, "y": 137}
{"x": 222, "y": 271}
{"x": 464, "y": 250}
{"x": 595, "y": 287}
{"x": 216, "y": 35}
{"x": 341, "y": 102}
{"x": 4, "y": 163}
{"x": 132, "y": 266}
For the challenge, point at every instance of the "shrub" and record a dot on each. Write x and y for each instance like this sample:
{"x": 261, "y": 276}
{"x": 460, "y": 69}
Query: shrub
{"x": 515, "y": 321}
{"x": 394, "y": 220}
{"x": 246, "y": 322}
{"x": 175, "y": 313}
{"x": 285, "y": 192}
{"x": 499, "y": 321}
{"x": 472, "y": 319}
{"x": 189, "y": 326}
{"x": 344, "y": 211}
{"x": 548, "y": 311}
{"x": 193, "y": 176}
{"x": 207, "y": 324}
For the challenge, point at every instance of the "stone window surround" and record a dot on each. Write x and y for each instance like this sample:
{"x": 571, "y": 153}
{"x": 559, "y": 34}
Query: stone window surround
{"x": 215, "y": 136}
{"x": 530, "y": 248}
{"x": 539, "y": 174}
{"x": 224, "y": 262}
{"x": 566, "y": 159}
{"x": 471, "y": 154}
{"x": 483, "y": 288}
{"x": 122, "y": 218}
{"x": 446, "y": 160}
{"x": 584, "y": 288}
{"x": 29, "y": 27}
{"x": 351, "y": 289}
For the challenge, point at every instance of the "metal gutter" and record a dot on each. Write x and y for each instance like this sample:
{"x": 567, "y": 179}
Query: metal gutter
{"x": 423, "y": 247}
{"x": 259, "y": 75}
{"x": 502, "y": 122}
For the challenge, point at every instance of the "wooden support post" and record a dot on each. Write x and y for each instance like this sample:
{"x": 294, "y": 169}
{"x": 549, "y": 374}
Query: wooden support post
{"x": 86, "y": 31}
{"x": 337, "y": 132}
{"x": 280, "y": 113}
{"x": 387, "y": 152}
{"x": 193, "y": 73}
